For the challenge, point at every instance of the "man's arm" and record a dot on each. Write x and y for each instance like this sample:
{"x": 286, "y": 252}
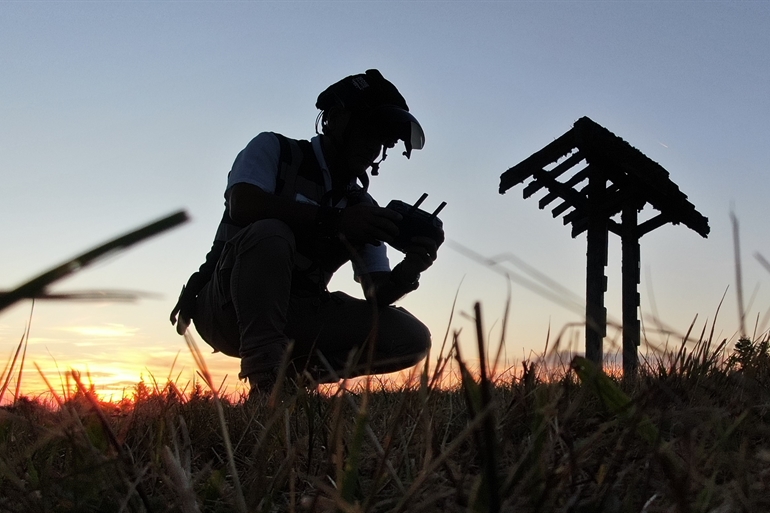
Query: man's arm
{"x": 360, "y": 223}
{"x": 248, "y": 203}
{"x": 387, "y": 287}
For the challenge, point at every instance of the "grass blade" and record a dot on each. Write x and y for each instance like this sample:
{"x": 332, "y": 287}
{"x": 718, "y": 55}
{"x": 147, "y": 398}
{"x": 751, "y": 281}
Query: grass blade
{"x": 36, "y": 286}
{"x": 240, "y": 501}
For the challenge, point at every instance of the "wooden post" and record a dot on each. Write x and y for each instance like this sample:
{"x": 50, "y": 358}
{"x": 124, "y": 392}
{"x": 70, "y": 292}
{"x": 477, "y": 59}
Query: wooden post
{"x": 596, "y": 281}
{"x": 630, "y": 275}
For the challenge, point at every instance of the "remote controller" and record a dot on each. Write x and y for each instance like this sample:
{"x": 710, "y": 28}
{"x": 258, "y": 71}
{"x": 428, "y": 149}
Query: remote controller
{"x": 416, "y": 223}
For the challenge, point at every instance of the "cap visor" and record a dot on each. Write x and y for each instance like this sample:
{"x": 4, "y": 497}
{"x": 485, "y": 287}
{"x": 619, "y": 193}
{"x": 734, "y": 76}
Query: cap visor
{"x": 396, "y": 123}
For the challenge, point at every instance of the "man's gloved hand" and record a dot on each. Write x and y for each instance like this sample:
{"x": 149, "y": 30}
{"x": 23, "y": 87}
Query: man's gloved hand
{"x": 422, "y": 252}
{"x": 181, "y": 314}
{"x": 368, "y": 224}
{"x": 420, "y": 255}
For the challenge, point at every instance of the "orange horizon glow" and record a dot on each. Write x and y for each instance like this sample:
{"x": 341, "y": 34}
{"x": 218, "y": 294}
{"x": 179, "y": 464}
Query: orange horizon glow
{"x": 120, "y": 381}
{"x": 116, "y": 373}
{"x": 121, "y": 385}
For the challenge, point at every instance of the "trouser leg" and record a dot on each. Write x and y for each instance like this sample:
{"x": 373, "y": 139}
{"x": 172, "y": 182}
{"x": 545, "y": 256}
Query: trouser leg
{"x": 342, "y": 324}
{"x": 242, "y": 310}
{"x": 260, "y": 286}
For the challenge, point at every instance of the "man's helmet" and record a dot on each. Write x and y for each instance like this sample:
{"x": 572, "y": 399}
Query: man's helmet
{"x": 379, "y": 105}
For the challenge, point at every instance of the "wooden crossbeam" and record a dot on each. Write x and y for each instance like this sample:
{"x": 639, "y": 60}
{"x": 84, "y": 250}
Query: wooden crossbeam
{"x": 564, "y": 205}
{"x": 611, "y": 204}
{"x": 614, "y": 201}
{"x": 581, "y": 225}
{"x": 554, "y": 173}
{"x": 651, "y": 224}
{"x": 568, "y": 194}
{"x": 538, "y": 160}
{"x": 560, "y": 209}
{"x": 581, "y": 175}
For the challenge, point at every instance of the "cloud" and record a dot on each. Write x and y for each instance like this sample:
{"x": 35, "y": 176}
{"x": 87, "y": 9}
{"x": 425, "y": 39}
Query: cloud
{"x": 104, "y": 331}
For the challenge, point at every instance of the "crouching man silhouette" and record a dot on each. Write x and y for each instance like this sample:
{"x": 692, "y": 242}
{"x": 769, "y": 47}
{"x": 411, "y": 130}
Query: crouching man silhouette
{"x": 295, "y": 211}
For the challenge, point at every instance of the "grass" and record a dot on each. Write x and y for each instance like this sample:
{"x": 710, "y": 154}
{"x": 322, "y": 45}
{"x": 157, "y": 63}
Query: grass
{"x": 689, "y": 433}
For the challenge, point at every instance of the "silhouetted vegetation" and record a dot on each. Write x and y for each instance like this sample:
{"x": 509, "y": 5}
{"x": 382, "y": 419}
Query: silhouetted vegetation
{"x": 688, "y": 433}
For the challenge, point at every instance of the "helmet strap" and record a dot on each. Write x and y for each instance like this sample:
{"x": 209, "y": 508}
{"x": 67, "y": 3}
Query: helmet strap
{"x": 376, "y": 165}
{"x": 364, "y": 179}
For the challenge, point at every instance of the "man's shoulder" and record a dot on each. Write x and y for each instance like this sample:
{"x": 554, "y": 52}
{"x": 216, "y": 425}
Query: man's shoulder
{"x": 264, "y": 143}
{"x": 273, "y": 139}
{"x": 280, "y": 137}
{"x": 265, "y": 138}
{"x": 285, "y": 144}
{"x": 277, "y": 145}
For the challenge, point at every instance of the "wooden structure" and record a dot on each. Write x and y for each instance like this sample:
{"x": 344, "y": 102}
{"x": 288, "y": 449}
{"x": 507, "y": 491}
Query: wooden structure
{"x": 602, "y": 177}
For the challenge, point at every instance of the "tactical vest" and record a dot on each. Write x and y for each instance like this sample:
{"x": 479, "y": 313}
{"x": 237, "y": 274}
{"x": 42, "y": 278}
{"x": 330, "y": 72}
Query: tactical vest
{"x": 299, "y": 178}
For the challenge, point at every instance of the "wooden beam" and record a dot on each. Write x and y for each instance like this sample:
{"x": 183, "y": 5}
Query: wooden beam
{"x": 554, "y": 173}
{"x": 560, "y": 209}
{"x": 651, "y": 224}
{"x": 630, "y": 263}
{"x": 538, "y": 160}
{"x": 581, "y": 225}
{"x": 611, "y": 204}
{"x": 574, "y": 198}
{"x": 572, "y": 182}
{"x": 596, "y": 281}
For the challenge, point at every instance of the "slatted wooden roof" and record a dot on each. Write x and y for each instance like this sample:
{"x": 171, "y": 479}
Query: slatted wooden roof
{"x": 564, "y": 166}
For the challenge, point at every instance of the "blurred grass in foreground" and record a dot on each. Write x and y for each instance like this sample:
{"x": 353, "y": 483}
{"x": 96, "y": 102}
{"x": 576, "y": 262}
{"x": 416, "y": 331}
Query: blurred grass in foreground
{"x": 689, "y": 433}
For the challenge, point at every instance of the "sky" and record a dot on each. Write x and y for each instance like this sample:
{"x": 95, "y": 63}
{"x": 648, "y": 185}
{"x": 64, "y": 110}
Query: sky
{"x": 113, "y": 114}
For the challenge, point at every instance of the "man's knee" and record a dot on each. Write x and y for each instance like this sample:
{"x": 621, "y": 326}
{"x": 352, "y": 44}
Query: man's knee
{"x": 420, "y": 335}
{"x": 412, "y": 337}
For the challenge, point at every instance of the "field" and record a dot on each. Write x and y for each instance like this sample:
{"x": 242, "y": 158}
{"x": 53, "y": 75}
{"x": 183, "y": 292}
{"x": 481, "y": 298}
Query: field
{"x": 689, "y": 433}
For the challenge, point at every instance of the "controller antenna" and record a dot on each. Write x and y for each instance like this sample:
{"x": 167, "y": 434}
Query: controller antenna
{"x": 439, "y": 209}
{"x": 419, "y": 202}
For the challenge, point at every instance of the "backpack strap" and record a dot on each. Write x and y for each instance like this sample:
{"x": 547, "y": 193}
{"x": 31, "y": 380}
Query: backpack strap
{"x": 288, "y": 167}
